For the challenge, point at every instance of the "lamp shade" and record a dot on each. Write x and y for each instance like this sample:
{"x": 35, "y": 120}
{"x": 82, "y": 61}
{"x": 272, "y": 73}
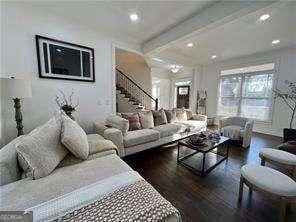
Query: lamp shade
{"x": 18, "y": 88}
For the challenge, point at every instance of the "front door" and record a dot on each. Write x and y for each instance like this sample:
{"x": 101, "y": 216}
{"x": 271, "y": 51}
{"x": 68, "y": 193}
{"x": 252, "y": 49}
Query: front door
{"x": 183, "y": 96}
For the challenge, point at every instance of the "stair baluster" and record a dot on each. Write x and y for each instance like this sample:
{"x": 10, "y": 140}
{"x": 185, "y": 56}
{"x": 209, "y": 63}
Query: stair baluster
{"x": 134, "y": 92}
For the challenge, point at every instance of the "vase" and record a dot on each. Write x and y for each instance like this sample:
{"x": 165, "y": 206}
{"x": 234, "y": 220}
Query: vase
{"x": 70, "y": 115}
{"x": 289, "y": 134}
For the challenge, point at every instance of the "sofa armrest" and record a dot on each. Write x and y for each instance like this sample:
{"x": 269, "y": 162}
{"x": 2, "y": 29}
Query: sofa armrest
{"x": 115, "y": 135}
{"x": 249, "y": 126}
{"x": 199, "y": 117}
{"x": 100, "y": 128}
{"x": 248, "y": 133}
{"x": 222, "y": 123}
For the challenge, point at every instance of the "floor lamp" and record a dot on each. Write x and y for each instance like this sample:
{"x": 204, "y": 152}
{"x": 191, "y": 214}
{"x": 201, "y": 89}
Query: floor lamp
{"x": 18, "y": 89}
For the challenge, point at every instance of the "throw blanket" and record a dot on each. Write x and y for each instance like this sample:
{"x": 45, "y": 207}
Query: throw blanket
{"x": 126, "y": 195}
{"x": 136, "y": 202}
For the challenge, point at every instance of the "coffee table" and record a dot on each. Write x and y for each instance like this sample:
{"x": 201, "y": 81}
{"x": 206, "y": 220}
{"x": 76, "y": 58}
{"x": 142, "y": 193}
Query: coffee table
{"x": 203, "y": 159}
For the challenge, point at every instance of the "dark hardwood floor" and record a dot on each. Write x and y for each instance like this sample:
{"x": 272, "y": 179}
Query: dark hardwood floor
{"x": 214, "y": 197}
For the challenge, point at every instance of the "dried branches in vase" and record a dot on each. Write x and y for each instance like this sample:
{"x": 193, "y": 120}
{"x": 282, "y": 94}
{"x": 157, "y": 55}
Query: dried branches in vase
{"x": 66, "y": 104}
{"x": 289, "y": 98}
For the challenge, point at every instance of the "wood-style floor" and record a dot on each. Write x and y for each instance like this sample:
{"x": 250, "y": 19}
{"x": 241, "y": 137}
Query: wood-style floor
{"x": 214, "y": 197}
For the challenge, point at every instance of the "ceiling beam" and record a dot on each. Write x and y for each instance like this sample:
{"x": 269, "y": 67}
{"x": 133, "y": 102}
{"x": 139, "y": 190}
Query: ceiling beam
{"x": 218, "y": 14}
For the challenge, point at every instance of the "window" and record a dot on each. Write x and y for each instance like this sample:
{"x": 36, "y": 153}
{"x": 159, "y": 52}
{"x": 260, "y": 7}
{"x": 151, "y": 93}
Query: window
{"x": 247, "y": 94}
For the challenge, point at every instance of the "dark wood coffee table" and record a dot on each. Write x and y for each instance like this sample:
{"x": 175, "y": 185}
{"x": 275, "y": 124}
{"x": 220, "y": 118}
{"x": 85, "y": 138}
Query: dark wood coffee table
{"x": 203, "y": 159}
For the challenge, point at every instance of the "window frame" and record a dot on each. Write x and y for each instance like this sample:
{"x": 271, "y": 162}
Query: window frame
{"x": 240, "y": 98}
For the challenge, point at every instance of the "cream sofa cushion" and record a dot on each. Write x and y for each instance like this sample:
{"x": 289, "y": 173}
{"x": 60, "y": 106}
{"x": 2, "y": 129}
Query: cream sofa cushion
{"x": 136, "y": 137}
{"x": 233, "y": 132}
{"x": 26, "y": 193}
{"x": 118, "y": 123}
{"x": 41, "y": 150}
{"x": 146, "y": 119}
{"x": 270, "y": 180}
{"x": 167, "y": 129}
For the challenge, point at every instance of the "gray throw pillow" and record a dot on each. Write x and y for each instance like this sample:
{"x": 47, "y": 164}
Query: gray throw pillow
{"x": 74, "y": 138}
{"x": 159, "y": 117}
{"x": 171, "y": 116}
{"x": 41, "y": 151}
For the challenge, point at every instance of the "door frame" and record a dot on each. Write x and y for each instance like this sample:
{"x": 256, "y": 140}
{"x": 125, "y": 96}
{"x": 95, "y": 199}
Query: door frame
{"x": 184, "y": 86}
{"x": 173, "y": 95}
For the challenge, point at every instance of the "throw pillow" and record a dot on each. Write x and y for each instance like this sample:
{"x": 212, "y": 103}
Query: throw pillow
{"x": 133, "y": 120}
{"x": 159, "y": 117}
{"x": 171, "y": 116}
{"x": 189, "y": 114}
{"x": 146, "y": 119}
{"x": 181, "y": 114}
{"x": 74, "y": 138}
{"x": 118, "y": 123}
{"x": 41, "y": 151}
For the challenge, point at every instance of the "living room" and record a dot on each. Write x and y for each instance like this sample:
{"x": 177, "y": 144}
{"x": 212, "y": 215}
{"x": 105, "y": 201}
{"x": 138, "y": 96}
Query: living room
{"x": 192, "y": 111}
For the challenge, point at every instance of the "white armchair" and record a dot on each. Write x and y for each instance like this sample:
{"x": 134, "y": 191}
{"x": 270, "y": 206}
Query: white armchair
{"x": 237, "y": 128}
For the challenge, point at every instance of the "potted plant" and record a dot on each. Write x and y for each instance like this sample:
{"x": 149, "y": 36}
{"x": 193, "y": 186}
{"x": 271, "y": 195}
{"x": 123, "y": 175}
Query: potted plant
{"x": 289, "y": 98}
{"x": 66, "y": 104}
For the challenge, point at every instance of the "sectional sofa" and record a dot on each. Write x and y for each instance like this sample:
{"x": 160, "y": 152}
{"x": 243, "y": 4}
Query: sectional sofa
{"x": 116, "y": 129}
{"x": 94, "y": 182}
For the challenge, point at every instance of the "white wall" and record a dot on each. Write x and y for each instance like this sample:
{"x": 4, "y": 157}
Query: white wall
{"x": 135, "y": 67}
{"x": 286, "y": 70}
{"x": 1, "y": 121}
{"x": 161, "y": 78}
{"x": 19, "y": 25}
{"x": 187, "y": 74}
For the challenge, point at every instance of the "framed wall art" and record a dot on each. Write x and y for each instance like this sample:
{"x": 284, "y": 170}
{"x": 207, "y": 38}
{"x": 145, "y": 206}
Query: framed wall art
{"x": 63, "y": 60}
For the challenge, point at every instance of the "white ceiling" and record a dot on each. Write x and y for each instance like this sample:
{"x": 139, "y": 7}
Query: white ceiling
{"x": 240, "y": 37}
{"x": 112, "y": 17}
{"x": 243, "y": 36}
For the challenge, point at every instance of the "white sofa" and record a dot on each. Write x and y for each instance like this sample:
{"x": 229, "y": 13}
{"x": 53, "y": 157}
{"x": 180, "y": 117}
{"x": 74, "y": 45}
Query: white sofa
{"x": 135, "y": 141}
{"x": 45, "y": 196}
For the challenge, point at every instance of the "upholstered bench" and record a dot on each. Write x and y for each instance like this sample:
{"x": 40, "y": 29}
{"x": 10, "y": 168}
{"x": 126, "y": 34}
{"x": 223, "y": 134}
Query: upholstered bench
{"x": 279, "y": 158}
{"x": 271, "y": 183}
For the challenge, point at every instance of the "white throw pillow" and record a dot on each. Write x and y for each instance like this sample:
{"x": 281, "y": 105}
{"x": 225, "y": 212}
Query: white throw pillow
{"x": 146, "y": 119}
{"x": 181, "y": 114}
{"x": 118, "y": 123}
{"x": 41, "y": 151}
{"x": 74, "y": 138}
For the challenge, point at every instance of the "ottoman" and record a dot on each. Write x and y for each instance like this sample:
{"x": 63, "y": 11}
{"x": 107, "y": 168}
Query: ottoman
{"x": 279, "y": 158}
{"x": 271, "y": 183}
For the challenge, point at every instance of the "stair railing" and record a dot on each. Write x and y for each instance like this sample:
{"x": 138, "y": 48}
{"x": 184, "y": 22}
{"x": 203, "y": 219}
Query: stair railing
{"x": 135, "y": 91}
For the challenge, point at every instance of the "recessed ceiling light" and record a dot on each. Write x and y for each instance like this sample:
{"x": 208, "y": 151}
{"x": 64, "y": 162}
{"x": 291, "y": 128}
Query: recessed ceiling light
{"x": 264, "y": 17}
{"x": 175, "y": 68}
{"x": 134, "y": 17}
{"x": 190, "y": 44}
{"x": 213, "y": 56}
{"x": 276, "y": 41}
{"x": 157, "y": 59}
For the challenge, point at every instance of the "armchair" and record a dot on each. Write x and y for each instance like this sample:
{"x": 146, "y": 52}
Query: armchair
{"x": 237, "y": 128}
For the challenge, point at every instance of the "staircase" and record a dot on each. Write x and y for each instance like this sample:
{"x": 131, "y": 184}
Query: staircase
{"x": 130, "y": 96}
